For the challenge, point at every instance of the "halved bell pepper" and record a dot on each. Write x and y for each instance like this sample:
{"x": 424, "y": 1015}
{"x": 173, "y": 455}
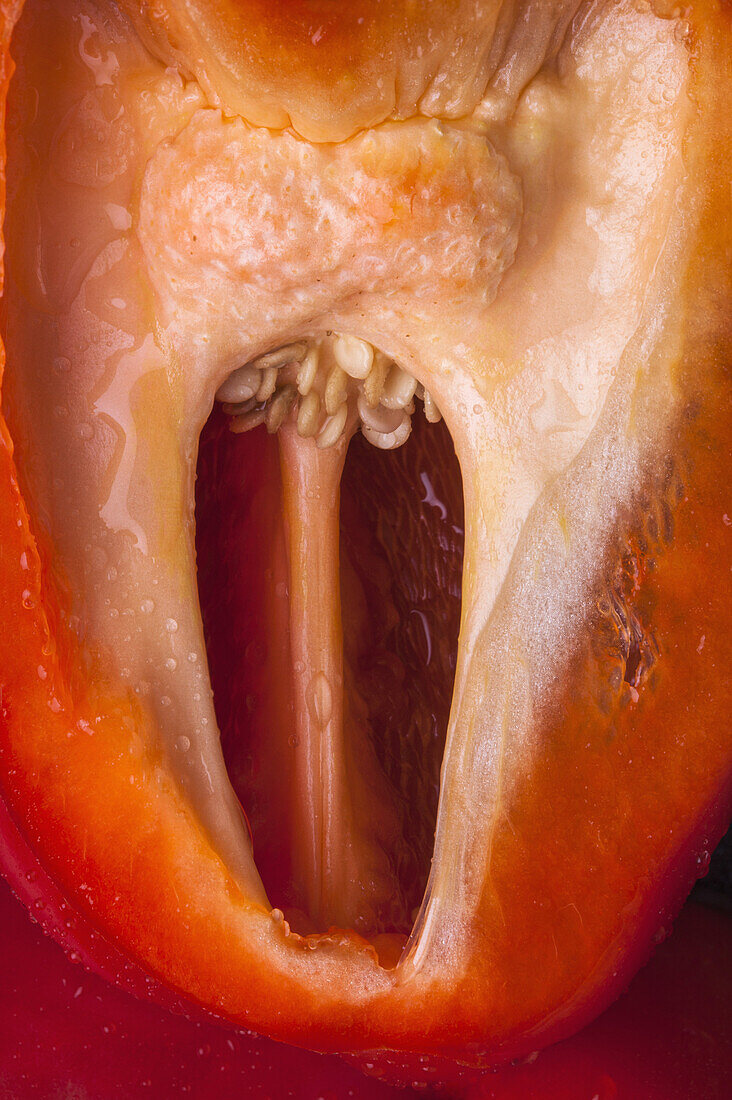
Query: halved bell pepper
{"x": 519, "y": 217}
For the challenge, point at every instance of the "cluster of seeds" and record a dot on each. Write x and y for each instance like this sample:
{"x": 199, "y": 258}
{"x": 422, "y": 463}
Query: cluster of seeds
{"x": 324, "y": 386}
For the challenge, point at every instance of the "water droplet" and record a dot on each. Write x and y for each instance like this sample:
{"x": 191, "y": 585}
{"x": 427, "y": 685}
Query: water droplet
{"x": 147, "y": 607}
{"x": 193, "y": 657}
{"x": 183, "y": 744}
{"x": 320, "y": 699}
{"x": 165, "y": 700}
{"x": 171, "y": 626}
{"x": 171, "y": 664}
{"x": 42, "y": 674}
{"x": 682, "y": 30}
{"x": 61, "y": 364}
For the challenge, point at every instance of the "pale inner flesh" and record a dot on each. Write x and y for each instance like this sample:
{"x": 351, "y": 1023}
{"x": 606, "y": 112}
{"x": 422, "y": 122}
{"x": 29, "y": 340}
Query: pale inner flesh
{"x": 511, "y": 262}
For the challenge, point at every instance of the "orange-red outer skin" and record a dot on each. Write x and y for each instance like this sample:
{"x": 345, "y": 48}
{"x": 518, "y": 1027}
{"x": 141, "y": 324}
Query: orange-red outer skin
{"x": 606, "y": 828}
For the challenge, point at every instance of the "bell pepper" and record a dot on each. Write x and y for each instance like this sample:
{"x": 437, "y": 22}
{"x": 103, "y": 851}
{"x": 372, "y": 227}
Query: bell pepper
{"x": 667, "y": 1038}
{"x": 530, "y": 233}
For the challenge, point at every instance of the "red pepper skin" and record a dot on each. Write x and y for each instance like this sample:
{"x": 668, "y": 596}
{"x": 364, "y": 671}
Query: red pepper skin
{"x": 66, "y": 1032}
{"x": 668, "y": 1038}
{"x": 60, "y": 783}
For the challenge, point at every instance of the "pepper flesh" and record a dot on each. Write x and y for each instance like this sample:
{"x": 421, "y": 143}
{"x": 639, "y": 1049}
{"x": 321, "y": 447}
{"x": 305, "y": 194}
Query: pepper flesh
{"x": 574, "y": 886}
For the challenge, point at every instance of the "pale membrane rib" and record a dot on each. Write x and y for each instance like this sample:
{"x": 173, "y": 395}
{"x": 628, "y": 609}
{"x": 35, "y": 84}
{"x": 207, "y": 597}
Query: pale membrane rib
{"x": 339, "y": 872}
{"x": 131, "y": 559}
{"x": 311, "y": 496}
{"x": 528, "y": 345}
{"x": 535, "y": 521}
{"x": 89, "y": 382}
